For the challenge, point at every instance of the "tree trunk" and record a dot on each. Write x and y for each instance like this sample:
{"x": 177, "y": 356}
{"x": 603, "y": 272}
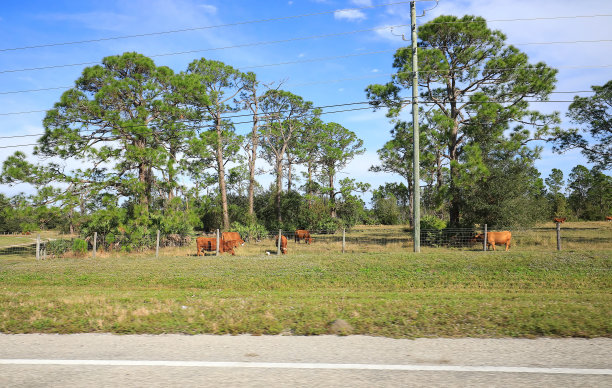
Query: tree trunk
{"x": 455, "y": 201}
{"x": 253, "y": 157}
{"x": 142, "y": 178}
{"x": 221, "y": 171}
{"x": 309, "y": 184}
{"x": 289, "y": 176}
{"x": 279, "y": 188}
{"x": 332, "y": 196}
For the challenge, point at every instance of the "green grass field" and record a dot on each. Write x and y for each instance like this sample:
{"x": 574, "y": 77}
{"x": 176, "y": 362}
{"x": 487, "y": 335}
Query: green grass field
{"x": 442, "y": 294}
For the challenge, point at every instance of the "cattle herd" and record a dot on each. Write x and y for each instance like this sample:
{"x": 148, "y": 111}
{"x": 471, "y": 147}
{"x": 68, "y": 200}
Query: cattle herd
{"x": 230, "y": 240}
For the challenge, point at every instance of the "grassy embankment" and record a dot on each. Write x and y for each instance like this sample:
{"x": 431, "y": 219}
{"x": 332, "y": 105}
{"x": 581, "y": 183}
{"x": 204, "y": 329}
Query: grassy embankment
{"x": 460, "y": 293}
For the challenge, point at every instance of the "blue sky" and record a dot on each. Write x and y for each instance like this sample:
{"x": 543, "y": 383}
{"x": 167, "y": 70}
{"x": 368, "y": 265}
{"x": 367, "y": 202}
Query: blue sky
{"x": 358, "y": 36}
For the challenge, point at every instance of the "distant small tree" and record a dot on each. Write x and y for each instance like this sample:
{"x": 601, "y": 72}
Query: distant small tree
{"x": 557, "y": 199}
{"x": 594, "y": 114}
{"x": 338, "y": 146}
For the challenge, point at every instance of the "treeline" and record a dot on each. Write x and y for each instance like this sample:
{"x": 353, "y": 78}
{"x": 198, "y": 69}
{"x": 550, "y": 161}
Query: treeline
{"x": 159, "y": 150}
{"x": 586, "y": 195}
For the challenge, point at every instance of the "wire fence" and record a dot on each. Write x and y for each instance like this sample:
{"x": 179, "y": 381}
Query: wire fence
{"x": 356, "y": 240}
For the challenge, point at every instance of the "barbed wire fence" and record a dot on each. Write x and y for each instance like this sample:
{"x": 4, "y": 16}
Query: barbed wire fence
{"x": 355, "y": 240}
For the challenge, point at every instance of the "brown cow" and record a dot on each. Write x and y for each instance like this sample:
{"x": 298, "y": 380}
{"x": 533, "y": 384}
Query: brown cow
{"x": 229, "y": 236}
{"x": 559, "y": 220}
{"x": 302, "y": 234}
{"x": 209, "y": 244}
{"x": 283, "y": 244}
{"x": 495, "y": 238}
{"x": 608, "y": 218}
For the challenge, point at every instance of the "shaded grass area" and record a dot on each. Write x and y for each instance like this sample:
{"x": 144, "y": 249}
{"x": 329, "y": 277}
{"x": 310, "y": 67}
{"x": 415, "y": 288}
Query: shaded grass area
{"x": 464, "y": 293}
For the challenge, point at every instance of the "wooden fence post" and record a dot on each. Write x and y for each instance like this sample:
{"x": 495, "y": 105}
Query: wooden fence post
{"x": 38, "y": 247}
{"x": 95, "y": 244}
{"x": 558, "y": 236}
{"x": 278, "y": 242}
{"x": 484, "y": 240}
{"x": 157, "y": 245}
{"x": 343, "y": 239}
{"x": 217, "y": 250}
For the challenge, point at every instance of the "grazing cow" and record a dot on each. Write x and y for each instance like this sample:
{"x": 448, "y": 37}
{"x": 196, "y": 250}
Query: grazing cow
{"x": 283, "y": 244}
{"x": 302, "y": 234}
{"x": 209, "y": 244}
{"x": 495, "y": 238}
{"x": 559, "y": 220}
{"x": 608, "y": 218}
{"x": 229, "y": 236}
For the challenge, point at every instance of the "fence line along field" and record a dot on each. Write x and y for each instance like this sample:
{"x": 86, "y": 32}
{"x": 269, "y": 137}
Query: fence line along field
{"x": 360, "y": 239}
{"x": 314, "y": 289}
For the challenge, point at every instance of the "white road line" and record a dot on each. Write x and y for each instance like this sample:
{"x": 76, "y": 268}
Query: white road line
{"x": 284, "y": 365}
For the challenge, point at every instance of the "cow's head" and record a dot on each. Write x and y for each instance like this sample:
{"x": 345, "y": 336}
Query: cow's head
{"x": 478, "y": 238}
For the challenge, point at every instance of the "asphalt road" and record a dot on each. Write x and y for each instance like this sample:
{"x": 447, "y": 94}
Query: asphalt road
{"x": 105, "y": 360}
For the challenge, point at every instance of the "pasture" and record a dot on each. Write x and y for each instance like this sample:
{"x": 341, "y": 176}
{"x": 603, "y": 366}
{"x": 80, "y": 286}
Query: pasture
{"x": 441, "y": 292}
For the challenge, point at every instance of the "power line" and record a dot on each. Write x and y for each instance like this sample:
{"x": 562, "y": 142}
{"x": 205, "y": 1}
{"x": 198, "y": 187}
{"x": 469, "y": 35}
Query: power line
{"x": 303, "y": 84}
{"x": 201, "y": 28}
{"x": 522, "y": 19}
{"x": 322, "y": 113}
{"x": 157, "y": 33}
{"x": 214, "y": 48}
{"x": 439, "y": 71}
{"x": 239, "y": 68}
{"x": 253, "y": 44}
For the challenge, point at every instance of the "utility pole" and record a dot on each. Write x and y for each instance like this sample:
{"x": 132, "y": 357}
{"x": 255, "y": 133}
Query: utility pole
{"x": 416, "y": 196}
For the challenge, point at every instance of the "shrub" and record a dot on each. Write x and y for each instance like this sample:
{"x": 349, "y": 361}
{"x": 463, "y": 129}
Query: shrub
{"x": 431, "y": 230}
{"x": 57, "y": 248}
{"x": 79, "y": 247}
{"x": 254, "y": 231}
{"x": 432, "y": 222}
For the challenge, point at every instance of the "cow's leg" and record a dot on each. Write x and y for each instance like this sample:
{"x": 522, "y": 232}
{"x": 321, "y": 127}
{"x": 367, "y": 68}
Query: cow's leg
{"x": 507, "y": 245}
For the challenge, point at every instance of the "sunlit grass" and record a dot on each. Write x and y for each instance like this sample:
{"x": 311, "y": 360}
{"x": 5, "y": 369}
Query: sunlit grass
{"x": 462, "y": 293}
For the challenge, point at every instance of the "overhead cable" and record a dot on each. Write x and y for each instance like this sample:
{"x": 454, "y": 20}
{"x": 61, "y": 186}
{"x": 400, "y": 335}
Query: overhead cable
{"x": 201, "y": 28}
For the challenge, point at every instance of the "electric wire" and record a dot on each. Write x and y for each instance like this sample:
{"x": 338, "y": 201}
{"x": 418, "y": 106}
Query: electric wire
{"x": 279, "y": 19}
{"x": 253, "y": 44}
{"x": 286, "y": 41}
{"x": 369, "y": 107}
{"x": 523, "y": 19}
{"x": 201, "y": 28}
{"x": 315, "y": 82}
{"x": 321, "y": 107}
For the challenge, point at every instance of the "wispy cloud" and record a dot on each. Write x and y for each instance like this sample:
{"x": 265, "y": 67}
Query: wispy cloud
{"x": 211, "y": 9}
{"x": 362, "y": 3}
{"x": 350, "y": 15}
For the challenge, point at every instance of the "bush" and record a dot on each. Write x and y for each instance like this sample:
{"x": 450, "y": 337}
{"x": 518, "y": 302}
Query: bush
{"x": 57, "y": 248}
{"x": 254, "y": 231}
{"x": 329, "y": 225}
{"x": 432, "y": 223}
{"x": 79, "y": 247}
{"x": 432, "y": 231}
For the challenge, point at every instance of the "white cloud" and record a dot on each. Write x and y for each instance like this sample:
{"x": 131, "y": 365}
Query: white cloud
{"x": 349, "y": 14}
{"x": 375, "y": 70}
{"x": 362, "y": 3}
{"x": 211, "y": 9}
